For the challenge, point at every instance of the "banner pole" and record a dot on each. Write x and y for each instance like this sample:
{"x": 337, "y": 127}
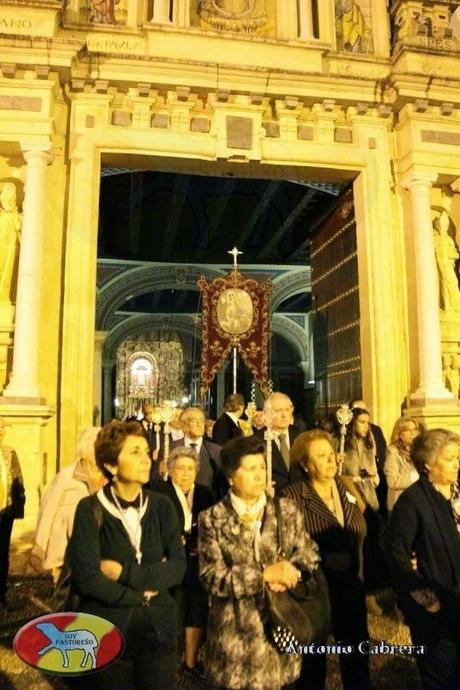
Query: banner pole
{"x": 234, "y": 368}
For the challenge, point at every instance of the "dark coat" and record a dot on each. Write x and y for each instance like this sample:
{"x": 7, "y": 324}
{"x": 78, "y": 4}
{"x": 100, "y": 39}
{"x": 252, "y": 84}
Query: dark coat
{"x": 203, "y": 498}
{"x": 340, "y": 547}
{"x": 281, "y": 475}
{"x": 225, "y": 429}
{"x": 238, "y": 652}
{"x": 163, "y": 564}
{"x": 422, "y": 523}
{"x": 209, "y": 458}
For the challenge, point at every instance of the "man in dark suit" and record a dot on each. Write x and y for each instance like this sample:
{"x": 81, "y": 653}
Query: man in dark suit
{"x": 192, "y": 421}
{"x": 148, "y": 425}
{"x": 278, "y": 413}
{"x": 227, "y": 427}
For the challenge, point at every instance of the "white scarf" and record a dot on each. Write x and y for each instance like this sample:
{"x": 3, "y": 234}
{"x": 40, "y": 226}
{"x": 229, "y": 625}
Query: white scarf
{"x": 251, "y": 517}
{"x": 186, "y": 502}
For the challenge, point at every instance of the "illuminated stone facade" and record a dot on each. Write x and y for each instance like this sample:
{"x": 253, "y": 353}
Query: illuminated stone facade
{"x": 332, "y": 91}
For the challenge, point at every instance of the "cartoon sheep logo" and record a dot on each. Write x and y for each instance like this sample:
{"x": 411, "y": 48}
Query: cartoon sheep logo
{"x": 66, "y": 641}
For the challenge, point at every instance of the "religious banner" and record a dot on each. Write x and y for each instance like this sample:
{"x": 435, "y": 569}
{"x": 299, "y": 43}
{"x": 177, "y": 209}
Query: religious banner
{"x": 235, "y": 314}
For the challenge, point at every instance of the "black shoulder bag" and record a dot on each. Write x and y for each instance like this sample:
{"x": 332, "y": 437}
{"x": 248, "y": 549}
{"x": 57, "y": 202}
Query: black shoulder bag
{"x": 300, "y": 615}
{"x": 65, "y": 595}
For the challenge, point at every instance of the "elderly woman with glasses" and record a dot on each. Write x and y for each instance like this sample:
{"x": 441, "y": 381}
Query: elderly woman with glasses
{"x": 239, "y": 557}
{"x": 399, "y": 468}
{"x": 189, "y": 499}
{"x": 424, "y": 552}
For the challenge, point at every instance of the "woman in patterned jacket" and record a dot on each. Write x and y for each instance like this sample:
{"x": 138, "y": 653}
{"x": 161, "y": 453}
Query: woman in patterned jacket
{"x": 238, "y": 552}
{"x": 12, "y": 501}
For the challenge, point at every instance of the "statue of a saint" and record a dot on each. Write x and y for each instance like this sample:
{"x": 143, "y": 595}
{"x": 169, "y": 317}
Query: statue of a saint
{"x": 103, "y": 11}
{"x": 446, "y": 256}
{"x": 352, "y": 32}
{"x": 10, "y": 228}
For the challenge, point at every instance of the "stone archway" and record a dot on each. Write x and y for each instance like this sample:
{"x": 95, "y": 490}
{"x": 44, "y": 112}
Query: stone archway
{"x": 145, "y": 279}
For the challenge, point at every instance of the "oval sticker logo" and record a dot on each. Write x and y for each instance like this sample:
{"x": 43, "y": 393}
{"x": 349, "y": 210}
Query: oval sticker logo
{"x": 68, "y": 643}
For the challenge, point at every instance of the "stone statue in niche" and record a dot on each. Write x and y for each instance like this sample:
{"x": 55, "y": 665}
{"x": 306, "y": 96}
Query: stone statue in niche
{"x": 234, "y": 15}
{"x": 10, "y": 231}
{"x": 103, "y": 11}
{"x": 446, "y": 257}
{"x": 353, "y": 34}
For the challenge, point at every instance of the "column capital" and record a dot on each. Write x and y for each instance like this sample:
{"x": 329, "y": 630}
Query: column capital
{"x": 418, "y": 179}
{"x": 37, "y": 155}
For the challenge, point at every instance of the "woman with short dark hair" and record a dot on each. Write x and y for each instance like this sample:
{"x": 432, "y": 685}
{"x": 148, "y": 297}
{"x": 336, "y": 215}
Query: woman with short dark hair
{"x": 124, "y": 565}
{"x": 424, "y": 530}
{"x": 238, "y": 552}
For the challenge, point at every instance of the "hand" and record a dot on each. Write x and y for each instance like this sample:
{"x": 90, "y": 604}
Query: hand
{"x": 111, "y": 569}
{"x": 283, "y": 573}
{"x": 149, "y": 594}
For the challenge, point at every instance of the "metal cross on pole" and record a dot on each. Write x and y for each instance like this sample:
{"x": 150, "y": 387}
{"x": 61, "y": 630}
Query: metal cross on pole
{"x": 235, "y": 253}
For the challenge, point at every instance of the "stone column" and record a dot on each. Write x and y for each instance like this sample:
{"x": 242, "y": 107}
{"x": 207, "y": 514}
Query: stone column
{"x": 305, "y": 19}
{"x": 326, "y": 21}
{"x": 431, "y": 387}
{"x": 161, "y": 9}
{"x": 108, "y": 365}
{"x": 24, "y": 381}
{"x": 99, "y": 339}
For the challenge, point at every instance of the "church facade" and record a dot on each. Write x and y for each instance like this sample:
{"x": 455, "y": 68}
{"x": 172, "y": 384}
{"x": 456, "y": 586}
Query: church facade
{"x": 339, "y": 91}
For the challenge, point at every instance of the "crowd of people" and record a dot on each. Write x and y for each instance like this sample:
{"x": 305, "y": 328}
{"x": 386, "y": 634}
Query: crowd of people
{"x": 188, "y": 544}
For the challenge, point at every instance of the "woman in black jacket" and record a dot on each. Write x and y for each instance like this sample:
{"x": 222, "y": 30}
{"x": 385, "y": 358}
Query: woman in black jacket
{"x": 334, "y": 520}
{"x": 189, "y": 500}
{"x": 124, "y": 568}
{"x": 424, "y": 530}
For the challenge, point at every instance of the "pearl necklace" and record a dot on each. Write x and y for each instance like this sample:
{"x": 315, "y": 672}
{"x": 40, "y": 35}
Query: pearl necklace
{"x": 134, "y": 536}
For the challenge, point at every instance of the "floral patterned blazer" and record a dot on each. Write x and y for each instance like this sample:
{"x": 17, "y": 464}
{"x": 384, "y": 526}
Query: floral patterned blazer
{"x": 238, "y": 651}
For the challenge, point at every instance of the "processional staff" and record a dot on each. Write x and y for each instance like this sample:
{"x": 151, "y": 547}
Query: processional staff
{"x": 235, "y": 253}
{"x": 167, "y": 412}
{"x": 344, "y": 416}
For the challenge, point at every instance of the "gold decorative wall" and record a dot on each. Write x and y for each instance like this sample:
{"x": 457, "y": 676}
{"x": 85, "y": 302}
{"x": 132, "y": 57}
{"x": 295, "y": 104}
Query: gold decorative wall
{"x": 149, "y": 368}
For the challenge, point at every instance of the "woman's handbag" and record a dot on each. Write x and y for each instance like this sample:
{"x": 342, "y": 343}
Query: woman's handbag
{"x": 300, "y": 615}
